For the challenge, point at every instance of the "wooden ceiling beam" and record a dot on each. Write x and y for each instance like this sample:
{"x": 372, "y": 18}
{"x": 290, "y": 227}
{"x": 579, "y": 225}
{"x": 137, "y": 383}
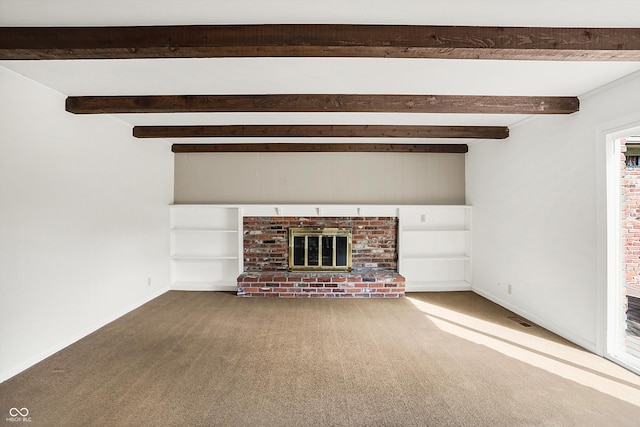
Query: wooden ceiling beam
{"x": 317, "y": 148}
{"x": 324, "y": 103}
{"x": 320, "y": 40}
{"x": 322, "y": 131}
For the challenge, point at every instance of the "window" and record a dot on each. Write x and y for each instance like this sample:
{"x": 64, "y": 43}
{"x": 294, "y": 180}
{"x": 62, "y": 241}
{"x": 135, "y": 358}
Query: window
{"x": 632, "y": 155}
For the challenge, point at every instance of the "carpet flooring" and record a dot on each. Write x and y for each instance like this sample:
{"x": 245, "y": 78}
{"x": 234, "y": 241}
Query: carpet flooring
{"x": 431, "y": 359}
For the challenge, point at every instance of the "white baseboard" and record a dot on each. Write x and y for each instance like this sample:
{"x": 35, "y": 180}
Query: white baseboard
{"x": 437, "y": 286}
{"x": 626, "y": 361}
{"x": 15, "y": 370}
{"x": 586, "y": 344}
{"x": 205, "y": 286}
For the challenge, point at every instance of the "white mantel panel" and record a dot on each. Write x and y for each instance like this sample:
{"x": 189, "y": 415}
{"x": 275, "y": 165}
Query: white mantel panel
{"x": 318, "y": 210}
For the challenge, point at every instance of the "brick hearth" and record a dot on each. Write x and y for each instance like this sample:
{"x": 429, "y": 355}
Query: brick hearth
{"x": 366, "y": 284}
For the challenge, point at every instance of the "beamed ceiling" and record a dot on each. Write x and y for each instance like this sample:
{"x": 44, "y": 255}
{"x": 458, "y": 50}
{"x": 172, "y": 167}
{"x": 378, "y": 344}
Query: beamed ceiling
{"x": 284, "y": 76}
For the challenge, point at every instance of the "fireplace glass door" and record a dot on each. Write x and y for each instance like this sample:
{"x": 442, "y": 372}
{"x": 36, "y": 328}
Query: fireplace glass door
{"x": 319, "y": 249}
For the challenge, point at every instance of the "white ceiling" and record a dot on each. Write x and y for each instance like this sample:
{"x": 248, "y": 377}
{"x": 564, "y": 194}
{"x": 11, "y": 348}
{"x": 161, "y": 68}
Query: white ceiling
{"x": 321, "y": 75}
{"x": 572, "y": 13}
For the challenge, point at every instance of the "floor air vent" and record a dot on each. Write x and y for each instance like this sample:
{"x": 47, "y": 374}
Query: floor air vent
{"x": 520, "y": 321}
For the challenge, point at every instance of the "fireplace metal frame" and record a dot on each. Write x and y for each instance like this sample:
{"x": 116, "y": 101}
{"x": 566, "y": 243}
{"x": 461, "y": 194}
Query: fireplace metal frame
{"x": 319, "y": 233}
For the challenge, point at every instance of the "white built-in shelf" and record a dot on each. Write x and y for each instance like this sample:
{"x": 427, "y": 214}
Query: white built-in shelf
{"x": 201, "y": 258}
{"x": 436, "y": 230}
{"x": 437, "y": 258}
{"x": 435, "y": 247}
{"x": 434, "y": 242}
{"x": 206, "y": 247}
{"x": 203, "y": 230}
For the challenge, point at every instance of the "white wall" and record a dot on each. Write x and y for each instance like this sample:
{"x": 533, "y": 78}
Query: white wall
{"x": 535, "y": 218}
{"x": 330, "y": 178}
{"x": 83, "y": 222}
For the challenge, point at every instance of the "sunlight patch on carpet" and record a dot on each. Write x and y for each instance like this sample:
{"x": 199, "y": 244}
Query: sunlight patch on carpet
{"x": 565, "y": 361}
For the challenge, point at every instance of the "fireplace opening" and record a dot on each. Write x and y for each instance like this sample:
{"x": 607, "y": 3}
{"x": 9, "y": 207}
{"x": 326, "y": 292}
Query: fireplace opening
{"x": 320, "y": 249}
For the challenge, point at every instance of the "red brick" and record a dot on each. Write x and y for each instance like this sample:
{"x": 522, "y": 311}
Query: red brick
{"x": 361, "y": 295}
{"x": 276, "y": 253}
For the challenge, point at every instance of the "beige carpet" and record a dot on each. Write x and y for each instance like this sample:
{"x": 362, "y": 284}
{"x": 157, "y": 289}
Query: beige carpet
{"x": 213, "y": 359}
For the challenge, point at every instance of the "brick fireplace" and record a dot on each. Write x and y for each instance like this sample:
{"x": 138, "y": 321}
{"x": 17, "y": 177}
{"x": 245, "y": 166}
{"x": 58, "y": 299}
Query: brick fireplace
{"x": 374, "y": 260}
